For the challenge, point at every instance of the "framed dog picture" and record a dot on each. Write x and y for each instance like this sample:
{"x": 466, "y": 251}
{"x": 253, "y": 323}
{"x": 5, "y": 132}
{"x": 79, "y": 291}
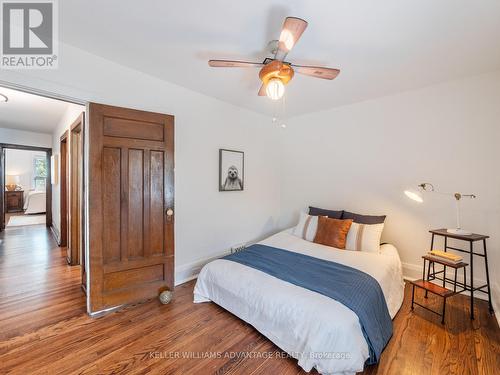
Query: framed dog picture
{"x": 231, "y": 170}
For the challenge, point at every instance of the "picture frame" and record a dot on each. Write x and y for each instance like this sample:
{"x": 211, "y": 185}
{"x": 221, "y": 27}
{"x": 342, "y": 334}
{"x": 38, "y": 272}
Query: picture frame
{"x": 231, "y": 170}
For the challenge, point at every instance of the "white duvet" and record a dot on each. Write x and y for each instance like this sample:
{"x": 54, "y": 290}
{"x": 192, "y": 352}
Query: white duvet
{"x": 317, "y": 330}
{"x": 35, "y": 202}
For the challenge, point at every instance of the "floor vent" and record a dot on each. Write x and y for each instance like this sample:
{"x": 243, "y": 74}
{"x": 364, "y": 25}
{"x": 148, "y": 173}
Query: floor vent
{"x": 237, "y": 248}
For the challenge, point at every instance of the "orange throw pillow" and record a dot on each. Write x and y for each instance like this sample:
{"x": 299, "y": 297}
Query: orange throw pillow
{"x": 332, "y": 232}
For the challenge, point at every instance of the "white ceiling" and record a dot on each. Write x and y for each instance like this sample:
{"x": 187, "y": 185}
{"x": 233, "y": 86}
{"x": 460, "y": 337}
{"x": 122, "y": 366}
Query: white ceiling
{"x": 30, "y": 112}
{"x": 381, "y": 47}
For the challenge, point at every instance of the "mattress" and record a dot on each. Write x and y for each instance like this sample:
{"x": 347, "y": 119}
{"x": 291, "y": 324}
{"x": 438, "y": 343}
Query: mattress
{"x": 318, "y": 331}
{"x": 35, "y": 202}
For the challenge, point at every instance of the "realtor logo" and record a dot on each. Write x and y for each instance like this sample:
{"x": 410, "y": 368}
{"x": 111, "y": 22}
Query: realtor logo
{"x": 29, "y": 34}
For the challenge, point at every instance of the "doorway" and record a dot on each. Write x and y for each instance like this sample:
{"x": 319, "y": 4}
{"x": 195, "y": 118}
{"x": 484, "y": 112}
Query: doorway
{"x": 33, "y": 254}
{"x": 25, "y": 182}
{"x": 126, "y": 239}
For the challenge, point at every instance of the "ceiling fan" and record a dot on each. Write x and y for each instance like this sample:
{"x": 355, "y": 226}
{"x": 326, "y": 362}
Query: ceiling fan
{"x": 275, "y": 73}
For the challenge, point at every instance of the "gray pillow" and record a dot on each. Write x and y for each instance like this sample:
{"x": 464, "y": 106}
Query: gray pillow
{"x": 314, "y": 211}
{"x": 363, "y": 219}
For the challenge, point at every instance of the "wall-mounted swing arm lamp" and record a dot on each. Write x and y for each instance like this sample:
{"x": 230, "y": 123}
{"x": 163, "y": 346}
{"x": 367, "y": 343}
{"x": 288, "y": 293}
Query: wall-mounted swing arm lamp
{"x": 427, "y": 187}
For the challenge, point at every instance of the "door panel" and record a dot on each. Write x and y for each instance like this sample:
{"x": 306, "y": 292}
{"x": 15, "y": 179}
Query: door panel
{"x": 135, "y": 204}
{"x": 156, "y": 204}
{"x": 111, "y": 204}
{"x": 130, "y": 188}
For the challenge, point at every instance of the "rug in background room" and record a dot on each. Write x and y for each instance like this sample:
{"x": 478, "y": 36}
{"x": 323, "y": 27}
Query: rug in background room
{"x": 21, "y": 220}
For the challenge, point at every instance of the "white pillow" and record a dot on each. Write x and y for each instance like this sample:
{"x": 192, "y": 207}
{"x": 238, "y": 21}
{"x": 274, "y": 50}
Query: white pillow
{"x": 307, "y": 227}
{"x": 364, "y": 237}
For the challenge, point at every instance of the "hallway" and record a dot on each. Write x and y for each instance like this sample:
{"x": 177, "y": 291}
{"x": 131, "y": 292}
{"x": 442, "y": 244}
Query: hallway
{"x": 37, "y": 287}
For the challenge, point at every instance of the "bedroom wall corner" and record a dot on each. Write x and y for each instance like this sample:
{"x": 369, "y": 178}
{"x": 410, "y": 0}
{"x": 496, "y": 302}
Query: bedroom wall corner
{"x": 361, "y": 157}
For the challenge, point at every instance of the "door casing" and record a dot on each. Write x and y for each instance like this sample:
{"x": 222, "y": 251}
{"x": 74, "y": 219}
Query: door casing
{"x": 76, "y": 191}
{"x": 63, "y": 190}
{"x": 48, "y": 186}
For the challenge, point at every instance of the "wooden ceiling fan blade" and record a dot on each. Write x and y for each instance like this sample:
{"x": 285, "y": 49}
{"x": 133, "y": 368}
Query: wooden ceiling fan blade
{"x": 262, "y": 90}
{"x": 233, "y": 64}
{"x": 316, "y": 71}
{"x": 291, "y": 32}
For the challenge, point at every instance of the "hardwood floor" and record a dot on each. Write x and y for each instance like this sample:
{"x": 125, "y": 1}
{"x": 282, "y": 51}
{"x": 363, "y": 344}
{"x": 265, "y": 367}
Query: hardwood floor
{"x": 44, "y": 328}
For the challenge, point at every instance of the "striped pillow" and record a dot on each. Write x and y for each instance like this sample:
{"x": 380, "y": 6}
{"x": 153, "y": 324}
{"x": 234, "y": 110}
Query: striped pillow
{"x": 364, "y": 237}
{"x": 307, "y": 227}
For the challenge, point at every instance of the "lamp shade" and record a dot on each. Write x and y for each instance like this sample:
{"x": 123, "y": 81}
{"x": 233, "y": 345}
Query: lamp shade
{"x": 413, "y": 195}
{"x": 13, "y": 179}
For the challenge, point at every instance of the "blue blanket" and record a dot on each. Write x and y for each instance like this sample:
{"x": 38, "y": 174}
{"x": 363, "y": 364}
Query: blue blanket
{"x": 353, "y": 288}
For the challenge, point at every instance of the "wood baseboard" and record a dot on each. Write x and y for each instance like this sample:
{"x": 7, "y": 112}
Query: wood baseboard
{"x": 56, "y": 235}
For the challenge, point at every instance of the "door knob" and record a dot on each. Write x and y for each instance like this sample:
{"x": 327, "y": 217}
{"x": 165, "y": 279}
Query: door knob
{"x": 169, "y": 213}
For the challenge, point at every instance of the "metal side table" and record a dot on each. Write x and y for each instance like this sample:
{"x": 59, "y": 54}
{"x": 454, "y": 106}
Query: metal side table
{"x": 471, "y": 238}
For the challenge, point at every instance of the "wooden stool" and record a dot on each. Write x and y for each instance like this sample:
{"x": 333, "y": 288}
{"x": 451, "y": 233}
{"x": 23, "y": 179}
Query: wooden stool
{"x": 434, "y": 289}
{"x": 440, "y": 291}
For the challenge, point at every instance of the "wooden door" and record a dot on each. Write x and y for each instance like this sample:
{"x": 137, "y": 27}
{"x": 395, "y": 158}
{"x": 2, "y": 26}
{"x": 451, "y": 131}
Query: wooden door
{"x": 131, "y": 202}
{"x": 75, "y": 192}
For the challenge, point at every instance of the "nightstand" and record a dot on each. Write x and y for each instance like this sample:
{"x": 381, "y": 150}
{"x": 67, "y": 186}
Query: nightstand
{"x": 14, "y": 201}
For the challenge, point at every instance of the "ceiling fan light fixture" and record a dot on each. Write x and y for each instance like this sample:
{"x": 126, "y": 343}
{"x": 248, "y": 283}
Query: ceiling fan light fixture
{"x": 275, "y": 72}
{"x": 275, "y": 89}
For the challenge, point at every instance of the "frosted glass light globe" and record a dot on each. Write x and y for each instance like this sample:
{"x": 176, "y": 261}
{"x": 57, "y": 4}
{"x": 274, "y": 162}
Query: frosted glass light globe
{"x": 275, "y": 89}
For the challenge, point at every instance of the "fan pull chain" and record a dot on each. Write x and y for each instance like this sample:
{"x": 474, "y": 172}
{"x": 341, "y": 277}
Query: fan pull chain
{"x": 283, "y": 111}
{"x": 275, "y": 112}
{"x": 279, "y": 118}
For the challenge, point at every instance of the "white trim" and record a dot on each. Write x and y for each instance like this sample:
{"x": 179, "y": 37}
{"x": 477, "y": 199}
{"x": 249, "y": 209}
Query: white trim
{"x": 97, "y": 314}
{"x": 46, "y": 94}
{"x": 190, "y": 271}
{"x": 411, "y": 271}
{"x": 495, "y": 300}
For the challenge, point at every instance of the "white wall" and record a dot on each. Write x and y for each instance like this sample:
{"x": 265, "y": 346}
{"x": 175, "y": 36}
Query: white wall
{"x": 362, "y": 157}
{"x": 207, "y": 222}
{"x": 72, "y": 112}
{"x": 20, "y": 162}
{"x": 19, "y": 137}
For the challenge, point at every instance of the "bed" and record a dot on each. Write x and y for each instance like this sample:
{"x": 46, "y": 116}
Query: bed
{"x": 318, "y": 331}
{"x": 35, "y": 202}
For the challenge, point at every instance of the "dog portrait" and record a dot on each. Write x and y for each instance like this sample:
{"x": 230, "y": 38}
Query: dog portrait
{"x": 231, "y": 168}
